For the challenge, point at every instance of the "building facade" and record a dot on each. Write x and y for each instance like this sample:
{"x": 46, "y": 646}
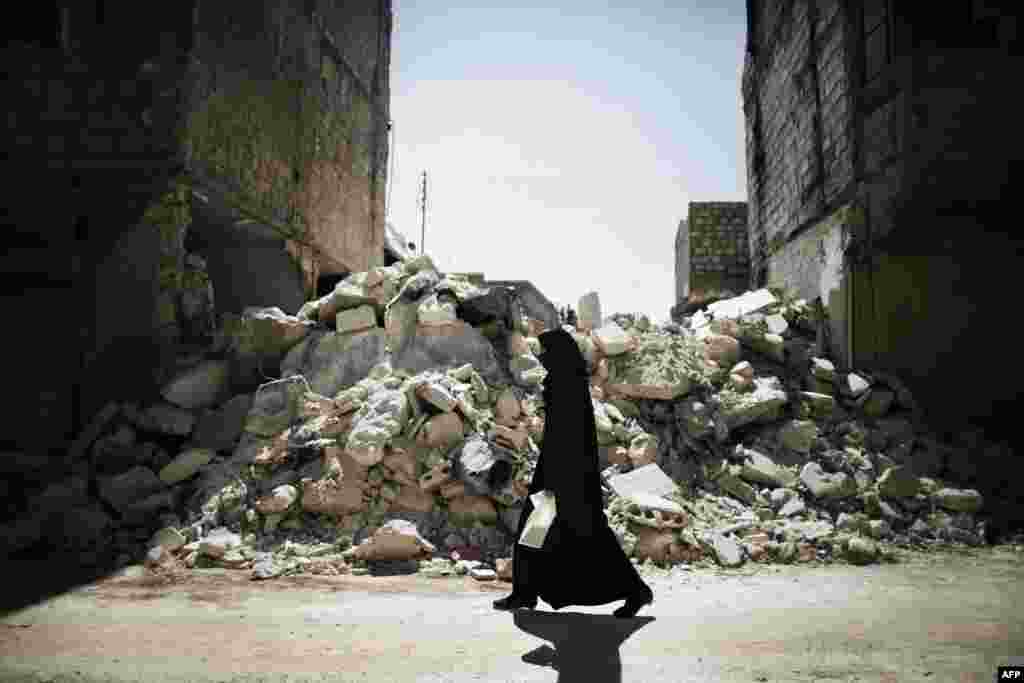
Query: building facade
{"x": 879, "y": 155}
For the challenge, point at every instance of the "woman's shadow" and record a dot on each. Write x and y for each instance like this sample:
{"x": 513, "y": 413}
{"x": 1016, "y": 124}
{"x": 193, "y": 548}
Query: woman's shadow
{"x": 586, "y": 646}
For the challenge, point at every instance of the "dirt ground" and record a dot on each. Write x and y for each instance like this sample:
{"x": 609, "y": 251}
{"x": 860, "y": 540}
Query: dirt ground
{"x": 952, "y": 615}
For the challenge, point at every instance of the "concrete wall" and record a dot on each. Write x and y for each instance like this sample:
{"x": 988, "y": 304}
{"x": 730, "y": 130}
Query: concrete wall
{"x": 719, "y": 258}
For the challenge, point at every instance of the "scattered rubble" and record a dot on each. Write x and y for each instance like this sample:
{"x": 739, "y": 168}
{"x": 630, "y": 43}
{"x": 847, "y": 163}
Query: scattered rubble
{"x": 728, "y": 438}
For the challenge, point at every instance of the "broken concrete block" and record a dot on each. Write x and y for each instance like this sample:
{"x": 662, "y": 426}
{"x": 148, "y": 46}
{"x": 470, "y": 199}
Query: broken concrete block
{"x": 898, "y": 482}
{"x": 648, "y": 479}
{"x": 436, "y": 395}
{"x": 395, "y": 540}
{"x": 722, "y": 349}
{"x": 612, "y": 340}
{"x": 824, "y": 485}
{"x": 823, "y": 369}
{"x": 958, "y": 500}
{"x": 356, "y": 319}
{"x": 382, "y": 418}
{"x": 441, "y": 431}
{"x": 776, "y": 324}
{"x": 186, "y": 464}
{"x": 798, "y": 435}
{"x": 507, "y": 408}
{"x": 332, "y": 361}
{"x": 855, "y": 385}
{"x": 792, "y": 508}
{"x": 279, "y": 500}
{"x": 878, "y": 402}
{"x": 483, "y": 467}
{"x": 267, "y": 333}
{"x": 761, "y": 405}
{"x": 643, "y": 449}
{"x": 729, "y": 481}
{"x": 169, "y": 538}
{"x": 860, "y": 551}
{"x": 445, "y": 346}
{"x": 742, "y": 305}
{"x": 434, "y": 312}
{"x": 761, "y": 469}
{"x": 202, "y": 386}
{"x": 511, "y": 438}
{"x": 218, "y": 542}
{"x": 275, "y": 405}
{"x": 124, "y": 489}
{"x": 589, "y": 312}
{"x": 466, "y": 510}
{"x": 726, "y": 551}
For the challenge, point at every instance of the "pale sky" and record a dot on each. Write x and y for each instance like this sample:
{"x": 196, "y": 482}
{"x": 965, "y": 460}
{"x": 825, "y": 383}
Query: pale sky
{"x": 563, "y": 143}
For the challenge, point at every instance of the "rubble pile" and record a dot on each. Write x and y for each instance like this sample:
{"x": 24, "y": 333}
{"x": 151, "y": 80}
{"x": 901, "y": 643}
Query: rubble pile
{"x": 396, "y": 422}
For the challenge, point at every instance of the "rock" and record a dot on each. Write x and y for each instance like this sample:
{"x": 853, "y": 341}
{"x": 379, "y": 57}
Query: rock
{"x": 792, "y": 507}
{"x": 280, "y": 499}
{"x": 133, "y": 485}
{"x": 776, "y": 324}
{"x": 355, "y": 290}
{"x": 646, "y": 375}
{"x": 484, "y": 468}
{"x": 958, "y": 500}
{"x": 854, "y": 385}
{"x": 507, "y": 409}
{"x": 515, "y": 439}
{"x": 465, "y": 511}
{"x": 727, "y": 552}
{"x": 778, "y": 497}
{"x": 826, "y": 486}
{"x": 771, "y": 345}
{"x": 267, "y": 334}
{"x": 332, "y": 361}
{"x": 441, "y": 431}
{"x": 503, "y": 565}
{"x": 141, "y": 512}
{"x": 820, "y": 406}
{"x": 483, "y": 574}
{"x": 878, "y": 402}
{"x": 744, "y": 369}
{"x": 163, "y": 418}
{"x": 275, "y": 405}
{"x": 643, "y": 449}
{"x": 437, "y": 396}
{"x": 798, "y": 435}
{"x": 377, "y": 422}
{"x": 340, "y": 491}
{"x": 218, "y": 542}
{"x": 356, "y": 320}
{"x": 446, "y": 346}
{"x": 395, "y": 540}
{"x": 761, "y": 405}
{"x": 722, "y": 349}
{"x": 433, "y": 312}
{"x": 739, "y": 306}
{"x": 761, "y": 469}
{"x": 85, "y": 438}
{"x": 199, "y": 387}
{"x": 480, "y": 306}
{"x": 168, "y": 538}
{"x": 860, "y": 551}
{"x": 879, "y": 528}
{"x": 612, "y": 340}
{"x": 219, "y": 429}
{"x": 730, "y": 482}
{"x": 823, "y": 369}
{"x": 898, "y": 482}
{"x": 857, "y": 523}
{"x": 649, "y": 479}
{"x": 185, "y": 465}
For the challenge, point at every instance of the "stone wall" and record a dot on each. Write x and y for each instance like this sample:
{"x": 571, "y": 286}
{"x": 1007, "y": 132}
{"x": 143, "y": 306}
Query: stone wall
{"x": 719, "y": 259}
{"x": 877, "y": 171}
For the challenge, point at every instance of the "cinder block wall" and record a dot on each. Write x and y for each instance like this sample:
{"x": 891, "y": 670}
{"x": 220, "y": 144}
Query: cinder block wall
{"x": 719, "y": 253}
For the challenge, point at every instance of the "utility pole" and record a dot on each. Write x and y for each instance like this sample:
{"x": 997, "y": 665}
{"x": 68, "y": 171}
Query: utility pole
{"x": 423, "y": 208}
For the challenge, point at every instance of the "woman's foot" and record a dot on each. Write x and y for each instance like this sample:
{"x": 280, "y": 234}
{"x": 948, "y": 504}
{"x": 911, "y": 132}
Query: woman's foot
{"x": 514, "y": 601}
{"x": 634, "y": 603}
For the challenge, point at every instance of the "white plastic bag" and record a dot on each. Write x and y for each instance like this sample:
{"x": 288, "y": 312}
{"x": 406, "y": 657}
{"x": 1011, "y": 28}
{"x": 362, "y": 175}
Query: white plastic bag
{"x": 539, "y": 521}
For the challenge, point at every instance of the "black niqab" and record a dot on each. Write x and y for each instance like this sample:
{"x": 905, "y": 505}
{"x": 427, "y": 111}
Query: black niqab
{"x": 580, "y": 542}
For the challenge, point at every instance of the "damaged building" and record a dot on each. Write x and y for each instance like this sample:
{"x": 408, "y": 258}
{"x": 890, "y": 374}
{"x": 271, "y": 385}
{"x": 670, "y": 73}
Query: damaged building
{"x": 225, "y": 155}
{"x": 879, "y": 153}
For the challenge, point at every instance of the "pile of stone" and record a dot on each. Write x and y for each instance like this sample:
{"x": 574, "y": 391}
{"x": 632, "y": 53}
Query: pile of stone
{"x": 402, "y": 419}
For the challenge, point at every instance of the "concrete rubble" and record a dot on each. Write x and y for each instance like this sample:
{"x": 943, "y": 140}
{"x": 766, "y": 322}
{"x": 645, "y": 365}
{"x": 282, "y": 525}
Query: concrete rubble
{"x": 405, "y": 419}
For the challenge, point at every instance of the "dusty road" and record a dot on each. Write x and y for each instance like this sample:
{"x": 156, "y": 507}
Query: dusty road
{"x": 943, "y": 617}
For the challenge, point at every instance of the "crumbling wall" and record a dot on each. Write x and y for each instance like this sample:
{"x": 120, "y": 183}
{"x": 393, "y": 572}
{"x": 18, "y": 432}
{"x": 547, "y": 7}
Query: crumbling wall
{"x": 797, "y": 104}
{"x": 719, "y": 259}
{"x": 287, "y": 125}
{"x": 682, "y": 251}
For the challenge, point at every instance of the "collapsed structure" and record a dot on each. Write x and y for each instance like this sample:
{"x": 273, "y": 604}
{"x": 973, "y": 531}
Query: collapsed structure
{"x": 397, "y": 419}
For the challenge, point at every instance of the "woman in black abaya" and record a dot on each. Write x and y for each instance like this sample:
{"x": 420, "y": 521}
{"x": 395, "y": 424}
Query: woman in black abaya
{"x": 579, "y": 537}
